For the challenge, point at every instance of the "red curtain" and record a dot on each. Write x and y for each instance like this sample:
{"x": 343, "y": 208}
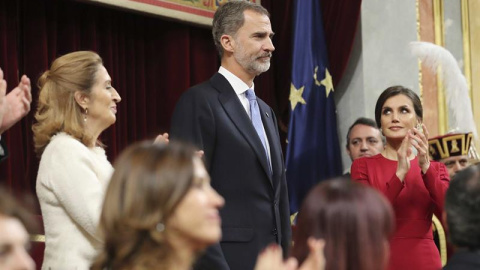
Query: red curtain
{"x": 340, "y": 20}
{"x": 152, "y": 61}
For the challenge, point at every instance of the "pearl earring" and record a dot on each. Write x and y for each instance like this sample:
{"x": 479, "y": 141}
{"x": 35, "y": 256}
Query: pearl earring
{"x": 85, "y": 115}
{"x": 160, "y": 227}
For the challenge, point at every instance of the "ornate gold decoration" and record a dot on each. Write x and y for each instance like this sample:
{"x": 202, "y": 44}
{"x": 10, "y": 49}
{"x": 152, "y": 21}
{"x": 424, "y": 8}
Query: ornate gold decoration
{"x": 442, "y": 239}
{"x": 438, "y": 17}
{"x": 466, "y": 45}
{"x": 37, "y": 238}
{"x": 419, "y": 38}
{"x": 450, "y": 145}
{"x": 454, "y": 148}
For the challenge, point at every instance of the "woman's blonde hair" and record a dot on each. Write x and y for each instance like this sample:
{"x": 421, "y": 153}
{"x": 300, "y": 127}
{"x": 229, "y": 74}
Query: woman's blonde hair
{"x": 57, "y": 109}
{"x": 149, "y": 182}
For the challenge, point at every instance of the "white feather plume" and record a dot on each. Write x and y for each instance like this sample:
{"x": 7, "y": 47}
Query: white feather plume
{"x": 459, "y": 104}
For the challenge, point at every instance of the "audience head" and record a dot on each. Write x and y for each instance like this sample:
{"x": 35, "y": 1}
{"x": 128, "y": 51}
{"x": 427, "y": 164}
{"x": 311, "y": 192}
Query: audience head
{"x": 158, "y": 204}
{"x": 462, "y": 207}
{"x": 76, "y": 97}
{"x": 14, "y": 238}
{"x": 452, "y": 150}
{"x": 398, "y": 110}
{"x": 354, "y": 220}
{"x": 230, "y": 17}
{"x": 364, "y": 139}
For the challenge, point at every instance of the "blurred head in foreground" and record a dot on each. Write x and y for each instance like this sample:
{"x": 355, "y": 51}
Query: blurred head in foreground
{"x": 14, "y": 238}
{"x": 159, "y": 209}
{"x": 354, "y": 220}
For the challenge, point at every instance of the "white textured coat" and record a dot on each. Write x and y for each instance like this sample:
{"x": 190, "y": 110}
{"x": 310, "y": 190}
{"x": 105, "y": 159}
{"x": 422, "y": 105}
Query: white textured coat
{"x": 71, "y": 184}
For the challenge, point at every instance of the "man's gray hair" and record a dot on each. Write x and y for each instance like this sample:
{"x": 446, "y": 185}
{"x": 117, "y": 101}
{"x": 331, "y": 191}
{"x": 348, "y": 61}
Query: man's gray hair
{"x": 229, "y": 18}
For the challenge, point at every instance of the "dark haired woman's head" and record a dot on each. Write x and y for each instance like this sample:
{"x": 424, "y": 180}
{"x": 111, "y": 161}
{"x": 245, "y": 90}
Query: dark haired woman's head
{"x": 398, "y": 110}
{"x": 157, "y": 194}
{"x": 395, "y": 91}
{"x": 354, "y": 220}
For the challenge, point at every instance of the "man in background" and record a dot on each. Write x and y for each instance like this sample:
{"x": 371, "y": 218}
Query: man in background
{"x": 364, "y": 139}
{"x": 452, "y": 150}
{"x": 462, "y": 207}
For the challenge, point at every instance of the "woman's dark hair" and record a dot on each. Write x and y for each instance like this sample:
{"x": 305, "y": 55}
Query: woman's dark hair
{"x": 394, "y": 91}
{"x": 355, "y": 221}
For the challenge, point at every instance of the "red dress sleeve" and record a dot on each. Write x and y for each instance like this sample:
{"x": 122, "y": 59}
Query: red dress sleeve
{"x": 360, "y": 173}
{"x": 436, "y": 180}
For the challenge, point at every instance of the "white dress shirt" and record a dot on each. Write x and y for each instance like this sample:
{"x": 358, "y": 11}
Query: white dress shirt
{"x": 240, "y": 88}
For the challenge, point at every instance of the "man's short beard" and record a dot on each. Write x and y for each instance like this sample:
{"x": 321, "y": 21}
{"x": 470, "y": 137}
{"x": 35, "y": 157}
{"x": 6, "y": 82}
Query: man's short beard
{"x": 252, "y": 65}
{"x": 258, "y": 68}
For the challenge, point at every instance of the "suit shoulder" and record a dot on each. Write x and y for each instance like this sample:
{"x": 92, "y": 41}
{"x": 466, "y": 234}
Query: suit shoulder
{"x": 203, "y": 89}
{"x": 263, "y": 103}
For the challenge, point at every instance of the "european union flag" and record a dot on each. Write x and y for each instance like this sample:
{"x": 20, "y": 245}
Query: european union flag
{"x": 313, "y": 152}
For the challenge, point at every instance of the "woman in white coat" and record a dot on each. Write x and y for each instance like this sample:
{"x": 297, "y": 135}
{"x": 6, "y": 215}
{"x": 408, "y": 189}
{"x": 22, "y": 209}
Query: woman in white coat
{"x": 77, "y": 102}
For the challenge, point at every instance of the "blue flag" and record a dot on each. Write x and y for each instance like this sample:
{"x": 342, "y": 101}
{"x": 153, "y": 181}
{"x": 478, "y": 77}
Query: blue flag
{"x": 313, "y": 152}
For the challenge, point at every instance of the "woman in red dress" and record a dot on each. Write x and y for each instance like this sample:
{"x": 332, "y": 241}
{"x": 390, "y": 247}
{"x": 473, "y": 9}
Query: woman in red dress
{"x": 403, "y": 172}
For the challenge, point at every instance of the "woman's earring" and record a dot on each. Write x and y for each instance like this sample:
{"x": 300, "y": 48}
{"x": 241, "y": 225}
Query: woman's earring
{"x": 85, "y": 115}
{"x": 160, "y": 227}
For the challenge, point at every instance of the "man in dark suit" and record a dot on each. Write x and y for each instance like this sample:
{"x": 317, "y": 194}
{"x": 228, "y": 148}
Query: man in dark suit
{"x": 238, "y": 133}
{"x": 462, "y": 203}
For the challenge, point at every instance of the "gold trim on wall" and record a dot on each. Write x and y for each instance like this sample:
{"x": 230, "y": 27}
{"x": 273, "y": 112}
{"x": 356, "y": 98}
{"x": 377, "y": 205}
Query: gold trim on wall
{"x": 473, "y": 7}
{"x": 466, "y": 45}
{"x": 419, "y": 38}
{"x": 438, "y": 16}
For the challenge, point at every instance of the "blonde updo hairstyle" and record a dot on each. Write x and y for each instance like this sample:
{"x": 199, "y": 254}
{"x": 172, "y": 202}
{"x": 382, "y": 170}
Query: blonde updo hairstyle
{"x": 58, "y": 110}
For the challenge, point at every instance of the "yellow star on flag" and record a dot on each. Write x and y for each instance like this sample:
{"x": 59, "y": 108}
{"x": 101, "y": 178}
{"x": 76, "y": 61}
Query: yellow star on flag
{"x": 327, "y": 82}
{"x": 315, "y": 76}
{"x": 296, "y": 96}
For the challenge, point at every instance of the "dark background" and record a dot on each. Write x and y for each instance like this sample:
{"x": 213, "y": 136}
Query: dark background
{"x": 151, "y": 60}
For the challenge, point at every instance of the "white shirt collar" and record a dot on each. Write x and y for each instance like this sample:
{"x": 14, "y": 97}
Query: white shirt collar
{"x": 237, "y": 84}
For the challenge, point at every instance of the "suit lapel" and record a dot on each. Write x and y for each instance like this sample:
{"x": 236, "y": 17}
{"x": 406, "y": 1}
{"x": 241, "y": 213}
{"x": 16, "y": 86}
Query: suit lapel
{"x": 235, "y": 110}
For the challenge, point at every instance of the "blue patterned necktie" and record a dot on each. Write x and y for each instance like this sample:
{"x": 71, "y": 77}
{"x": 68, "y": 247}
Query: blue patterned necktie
{"x": 257, "y": 121}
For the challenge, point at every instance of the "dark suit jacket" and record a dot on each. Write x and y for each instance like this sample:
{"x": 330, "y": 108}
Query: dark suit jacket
{"x": 464, "y": 260}
{"x": 256, "y": 211}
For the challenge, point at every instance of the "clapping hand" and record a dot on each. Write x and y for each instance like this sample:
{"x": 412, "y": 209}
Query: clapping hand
{"x": 419, "y": 140}
{"x": 3, "y": 100}
{"x": 16, "y": 104}
{"x": 403, "y": 156}
{"x": 271, "y": 258}
{"x": 316, "y": 257}
{"x": 162, "y": 138}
